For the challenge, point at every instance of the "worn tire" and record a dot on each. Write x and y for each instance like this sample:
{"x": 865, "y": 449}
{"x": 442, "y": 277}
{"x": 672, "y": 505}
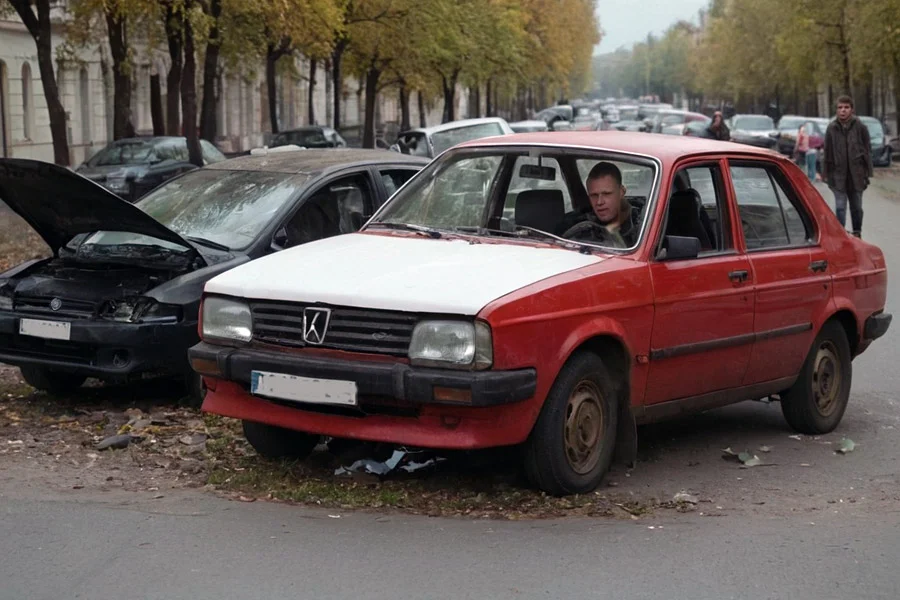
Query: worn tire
{"x": 816, "y": 402}
{"x": 277, "y": 442}
{"x": 53, "y": 382}
{"x": 584, "y": 394}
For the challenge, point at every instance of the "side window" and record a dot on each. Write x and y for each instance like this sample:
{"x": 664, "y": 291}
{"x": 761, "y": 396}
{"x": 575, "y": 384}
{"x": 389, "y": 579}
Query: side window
{"x": 536, "y": 180}
{"x": 394, "y": 178}
{"x": 211, "y": 154}
{"x": 697, "y": 208}
{"x": 337, "y": 207}
{"x": 770, "y": 218}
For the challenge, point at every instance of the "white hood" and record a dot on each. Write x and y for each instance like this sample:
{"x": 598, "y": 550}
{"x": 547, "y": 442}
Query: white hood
{"x": 397, "y": 273}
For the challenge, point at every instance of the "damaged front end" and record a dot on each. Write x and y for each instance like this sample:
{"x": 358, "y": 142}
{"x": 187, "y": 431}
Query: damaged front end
{"x": 97, "y": 319}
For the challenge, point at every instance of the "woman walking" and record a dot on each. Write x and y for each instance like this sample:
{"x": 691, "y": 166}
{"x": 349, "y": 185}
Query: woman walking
{"x": 805, "y": 154}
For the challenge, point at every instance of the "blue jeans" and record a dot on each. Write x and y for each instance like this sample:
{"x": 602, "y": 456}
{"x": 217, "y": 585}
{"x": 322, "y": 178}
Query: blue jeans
{"x": 811, "y": 164}
{"x": 856, "y": 211}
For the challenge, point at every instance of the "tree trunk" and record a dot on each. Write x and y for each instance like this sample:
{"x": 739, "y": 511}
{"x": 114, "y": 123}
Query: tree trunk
{"x": 156, "y": 109}
{"x": 337, "y": 80}
{"x": 420, "y": 98}
{"x": 311, "y": 93}
{"x": 173, "y": 78}
{"x": 404, "y": 108}
{"x": 372, "y": 76}
{"x": 896, "y": 87}
{"x": 272, "y": 56}
{"x": 189, "y": 95}
{"x": 210, "y": 66}
{"x": 489, "y": 107}
{"x": 449, "y": 86}
{"x": 118, "y": 49}
{"x": 40, "y": 29}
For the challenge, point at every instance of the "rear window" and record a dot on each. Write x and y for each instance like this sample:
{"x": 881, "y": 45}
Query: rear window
{"x": 445, "y": 140}
{"x": 125, "y": 153}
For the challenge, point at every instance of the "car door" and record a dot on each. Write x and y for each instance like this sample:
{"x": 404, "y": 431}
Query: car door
{"x": 793, "y": 286}
{"x": 334, "y": 207}
{"x": 703, "y": 318}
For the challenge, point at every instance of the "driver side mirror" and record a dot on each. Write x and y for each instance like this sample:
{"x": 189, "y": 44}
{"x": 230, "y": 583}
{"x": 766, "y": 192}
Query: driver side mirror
{"x": 676, "y": 247}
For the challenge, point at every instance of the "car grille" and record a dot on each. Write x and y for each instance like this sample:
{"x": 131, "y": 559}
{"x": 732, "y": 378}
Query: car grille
{"x": 42, "y": 305}
{"x": 350, "y": 329}
{"x": 72, "y": 352}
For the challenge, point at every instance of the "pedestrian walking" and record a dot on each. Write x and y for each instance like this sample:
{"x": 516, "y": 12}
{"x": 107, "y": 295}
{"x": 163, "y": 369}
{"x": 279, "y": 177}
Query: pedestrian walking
{"x": 717, "y": 130}
{"x": 847, "y": 165}
{"x": 804, "y": 154}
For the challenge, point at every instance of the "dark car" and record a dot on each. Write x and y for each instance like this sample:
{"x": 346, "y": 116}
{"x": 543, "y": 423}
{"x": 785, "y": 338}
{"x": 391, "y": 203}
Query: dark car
{"x": 882, "y": 152}
{"x": 120, "y": 295}
{"x": 309, "y": 137}
{"x": 132, "y": 167}
{"x": 754, "y": 130}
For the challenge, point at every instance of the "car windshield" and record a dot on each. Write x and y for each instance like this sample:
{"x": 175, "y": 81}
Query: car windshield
{"x": 755, "y": 123}
{"x": 476, "y": 192}
{"x": 791, "y": 123}
{"x": 125, "y": 153}
{"x": 414, "y": 143}
{"x": 308, "y": 138}
{"x": 230, "y": 208}
{"x": 444, "y": 140}
{"x": 874, "y": 127}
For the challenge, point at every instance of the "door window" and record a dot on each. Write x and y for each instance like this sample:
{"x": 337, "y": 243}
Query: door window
{"x": 337, "y": 207}
{"x": 394, "y": 178}
{"x": 770, "y": 216}
{"x": 697, "y": 208}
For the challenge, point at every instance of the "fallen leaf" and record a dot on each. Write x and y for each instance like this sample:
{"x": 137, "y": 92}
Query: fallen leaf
{"x": 846, "y": 446}
{"x": 796, "y": 437}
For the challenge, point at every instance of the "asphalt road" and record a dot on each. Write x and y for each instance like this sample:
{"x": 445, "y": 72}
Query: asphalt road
{"x": 811, "y": 524}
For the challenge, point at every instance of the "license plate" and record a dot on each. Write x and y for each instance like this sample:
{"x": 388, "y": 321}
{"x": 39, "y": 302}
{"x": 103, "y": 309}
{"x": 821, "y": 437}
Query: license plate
{"x": 52, "y": 330}
{"x": 303, "y": 389}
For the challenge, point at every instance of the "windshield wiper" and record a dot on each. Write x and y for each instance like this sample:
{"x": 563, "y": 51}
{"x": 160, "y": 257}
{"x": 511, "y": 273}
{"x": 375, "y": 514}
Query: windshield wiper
{"x": 571, "y": 244}
{"x": 207, "y": 243}
{"x": 432, "y": 233}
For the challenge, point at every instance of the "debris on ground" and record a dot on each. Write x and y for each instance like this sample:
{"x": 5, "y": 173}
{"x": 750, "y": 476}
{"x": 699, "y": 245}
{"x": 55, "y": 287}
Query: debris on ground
{"x": 400, "y": 459}
{"x": 745, "y": 458}
{"x": 845, "y": 446}
{"x": 683, "y": 497}
{"x": 118, "y": 442}
{"x": 765, "y": 449}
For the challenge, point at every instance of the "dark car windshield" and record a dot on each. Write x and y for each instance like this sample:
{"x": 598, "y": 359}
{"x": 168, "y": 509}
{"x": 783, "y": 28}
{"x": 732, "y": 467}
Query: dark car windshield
{"x": 874, "y": 127}
{"x": 226, "y": 207}
{"x": 755, "y": 123}
{"x": 135, "y": 152}
{"x": 308, "y": 138}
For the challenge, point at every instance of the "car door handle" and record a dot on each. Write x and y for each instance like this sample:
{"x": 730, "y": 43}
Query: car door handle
{"x": 738, "y": 276}
{"x": 818, "y": 266}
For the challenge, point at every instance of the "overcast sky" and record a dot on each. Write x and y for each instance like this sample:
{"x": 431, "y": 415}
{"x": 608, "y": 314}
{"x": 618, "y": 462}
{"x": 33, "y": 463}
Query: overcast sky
{"x": 628, "y": 21}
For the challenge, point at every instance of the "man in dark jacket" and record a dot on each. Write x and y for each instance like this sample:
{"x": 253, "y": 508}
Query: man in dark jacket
{"x": 612, "y": 220}
{"x": 717, "y": 130}
{"x": 847, "y": 165}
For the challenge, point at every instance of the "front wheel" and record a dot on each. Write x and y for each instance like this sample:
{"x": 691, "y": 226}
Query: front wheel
{"x": 277, "y": 442}
{"x": 572, "y": 443}
{"x": 54, "y": 382}
{"x": 816, "y": 402}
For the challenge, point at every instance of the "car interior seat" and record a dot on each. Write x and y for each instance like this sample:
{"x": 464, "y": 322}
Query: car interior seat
{"x": 540, "y": 209}
{"x": 685, "y": 219}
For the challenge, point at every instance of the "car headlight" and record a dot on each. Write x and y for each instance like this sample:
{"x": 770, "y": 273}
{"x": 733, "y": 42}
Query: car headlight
{"x": 456, "y": 344}
{"x": 140, "y": 310}
{"x": 6, "y": 302}
{"x": 226, "y": 320}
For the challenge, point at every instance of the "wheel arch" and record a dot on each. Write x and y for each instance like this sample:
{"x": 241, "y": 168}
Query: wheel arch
{"x": 847, "y": 319}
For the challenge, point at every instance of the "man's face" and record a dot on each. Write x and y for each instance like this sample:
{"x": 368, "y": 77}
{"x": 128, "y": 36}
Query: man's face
{"x": 606, "y": 198}
{"x": 844, "y": 111}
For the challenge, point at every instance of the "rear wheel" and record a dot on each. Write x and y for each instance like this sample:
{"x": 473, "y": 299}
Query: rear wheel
{"x": 572, "y": 443}
{"x": 816, "y": 402}
{"x": 277, "y": 442}
{"x": 49, "y": 380}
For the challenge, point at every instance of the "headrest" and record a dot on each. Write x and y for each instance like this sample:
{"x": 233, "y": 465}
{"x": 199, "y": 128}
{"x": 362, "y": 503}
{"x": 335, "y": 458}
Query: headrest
{"x": 541, "y": 209}
{"x": 684, "y": 201}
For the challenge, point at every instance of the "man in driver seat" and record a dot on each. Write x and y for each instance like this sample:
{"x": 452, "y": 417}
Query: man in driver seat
{"x": 612, "y": 220}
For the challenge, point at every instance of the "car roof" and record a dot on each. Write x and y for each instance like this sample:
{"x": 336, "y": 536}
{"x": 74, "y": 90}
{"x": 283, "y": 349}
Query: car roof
{"x": 316, "y": 161}
{"x": 305, "y": 128}
{"x": 454, "y": 125}
{"x": 150, "y": 139}
{"x": 666, "y": 148}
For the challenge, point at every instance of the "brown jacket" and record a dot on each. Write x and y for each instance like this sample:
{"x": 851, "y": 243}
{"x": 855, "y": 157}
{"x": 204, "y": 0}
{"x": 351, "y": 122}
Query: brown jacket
{"x": 847, "y": 147}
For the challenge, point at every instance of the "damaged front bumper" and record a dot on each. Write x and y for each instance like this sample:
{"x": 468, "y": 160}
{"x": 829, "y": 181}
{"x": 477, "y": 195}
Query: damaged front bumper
{"x": 396, "y": 403}
{"x": 100, "y": 348}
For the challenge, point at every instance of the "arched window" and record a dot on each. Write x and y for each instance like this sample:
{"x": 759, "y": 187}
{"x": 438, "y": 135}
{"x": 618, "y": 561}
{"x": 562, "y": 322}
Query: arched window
{"x": 27, "y": 101}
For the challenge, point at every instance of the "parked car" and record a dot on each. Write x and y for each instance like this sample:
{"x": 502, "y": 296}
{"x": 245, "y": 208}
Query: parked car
{"x": 675, "y": 118}
{"x": 629, "y": 126}
{"x": 882, "y": 153}
{"x": 697, "y": 129}
{"x": 120, "y": 295}
{"x": 470, "y": 313}
{"x": 431, "y": 141}
{"x": 309, "y": 137}
{"x": 132, "y": 167}
{"x": 528, "y": 126}
{"x": 753, "y": 130}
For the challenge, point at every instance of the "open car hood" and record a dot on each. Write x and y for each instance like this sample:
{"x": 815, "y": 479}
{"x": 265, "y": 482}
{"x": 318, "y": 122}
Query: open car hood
{"x": 60, "y": 204}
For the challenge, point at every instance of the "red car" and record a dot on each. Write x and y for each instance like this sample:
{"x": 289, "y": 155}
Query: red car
{"x": 483, "y": 305}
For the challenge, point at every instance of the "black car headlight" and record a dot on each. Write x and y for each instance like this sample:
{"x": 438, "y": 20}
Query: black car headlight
{"x": 140, "y": 310}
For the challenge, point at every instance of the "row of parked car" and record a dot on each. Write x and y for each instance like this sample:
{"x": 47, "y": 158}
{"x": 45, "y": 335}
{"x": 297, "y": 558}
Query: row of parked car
{"x": 451, "y": 303}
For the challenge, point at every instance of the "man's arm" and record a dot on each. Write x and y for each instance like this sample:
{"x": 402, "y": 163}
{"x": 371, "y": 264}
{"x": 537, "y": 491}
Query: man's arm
{"x": 828, "y": 159}
{"x": 867, "y": 149}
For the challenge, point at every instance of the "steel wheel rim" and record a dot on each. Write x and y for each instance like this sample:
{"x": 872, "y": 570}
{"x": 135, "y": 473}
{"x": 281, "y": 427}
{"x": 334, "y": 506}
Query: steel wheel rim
{"x": 584, "y": 427}
{"x": 827, "y": 378}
